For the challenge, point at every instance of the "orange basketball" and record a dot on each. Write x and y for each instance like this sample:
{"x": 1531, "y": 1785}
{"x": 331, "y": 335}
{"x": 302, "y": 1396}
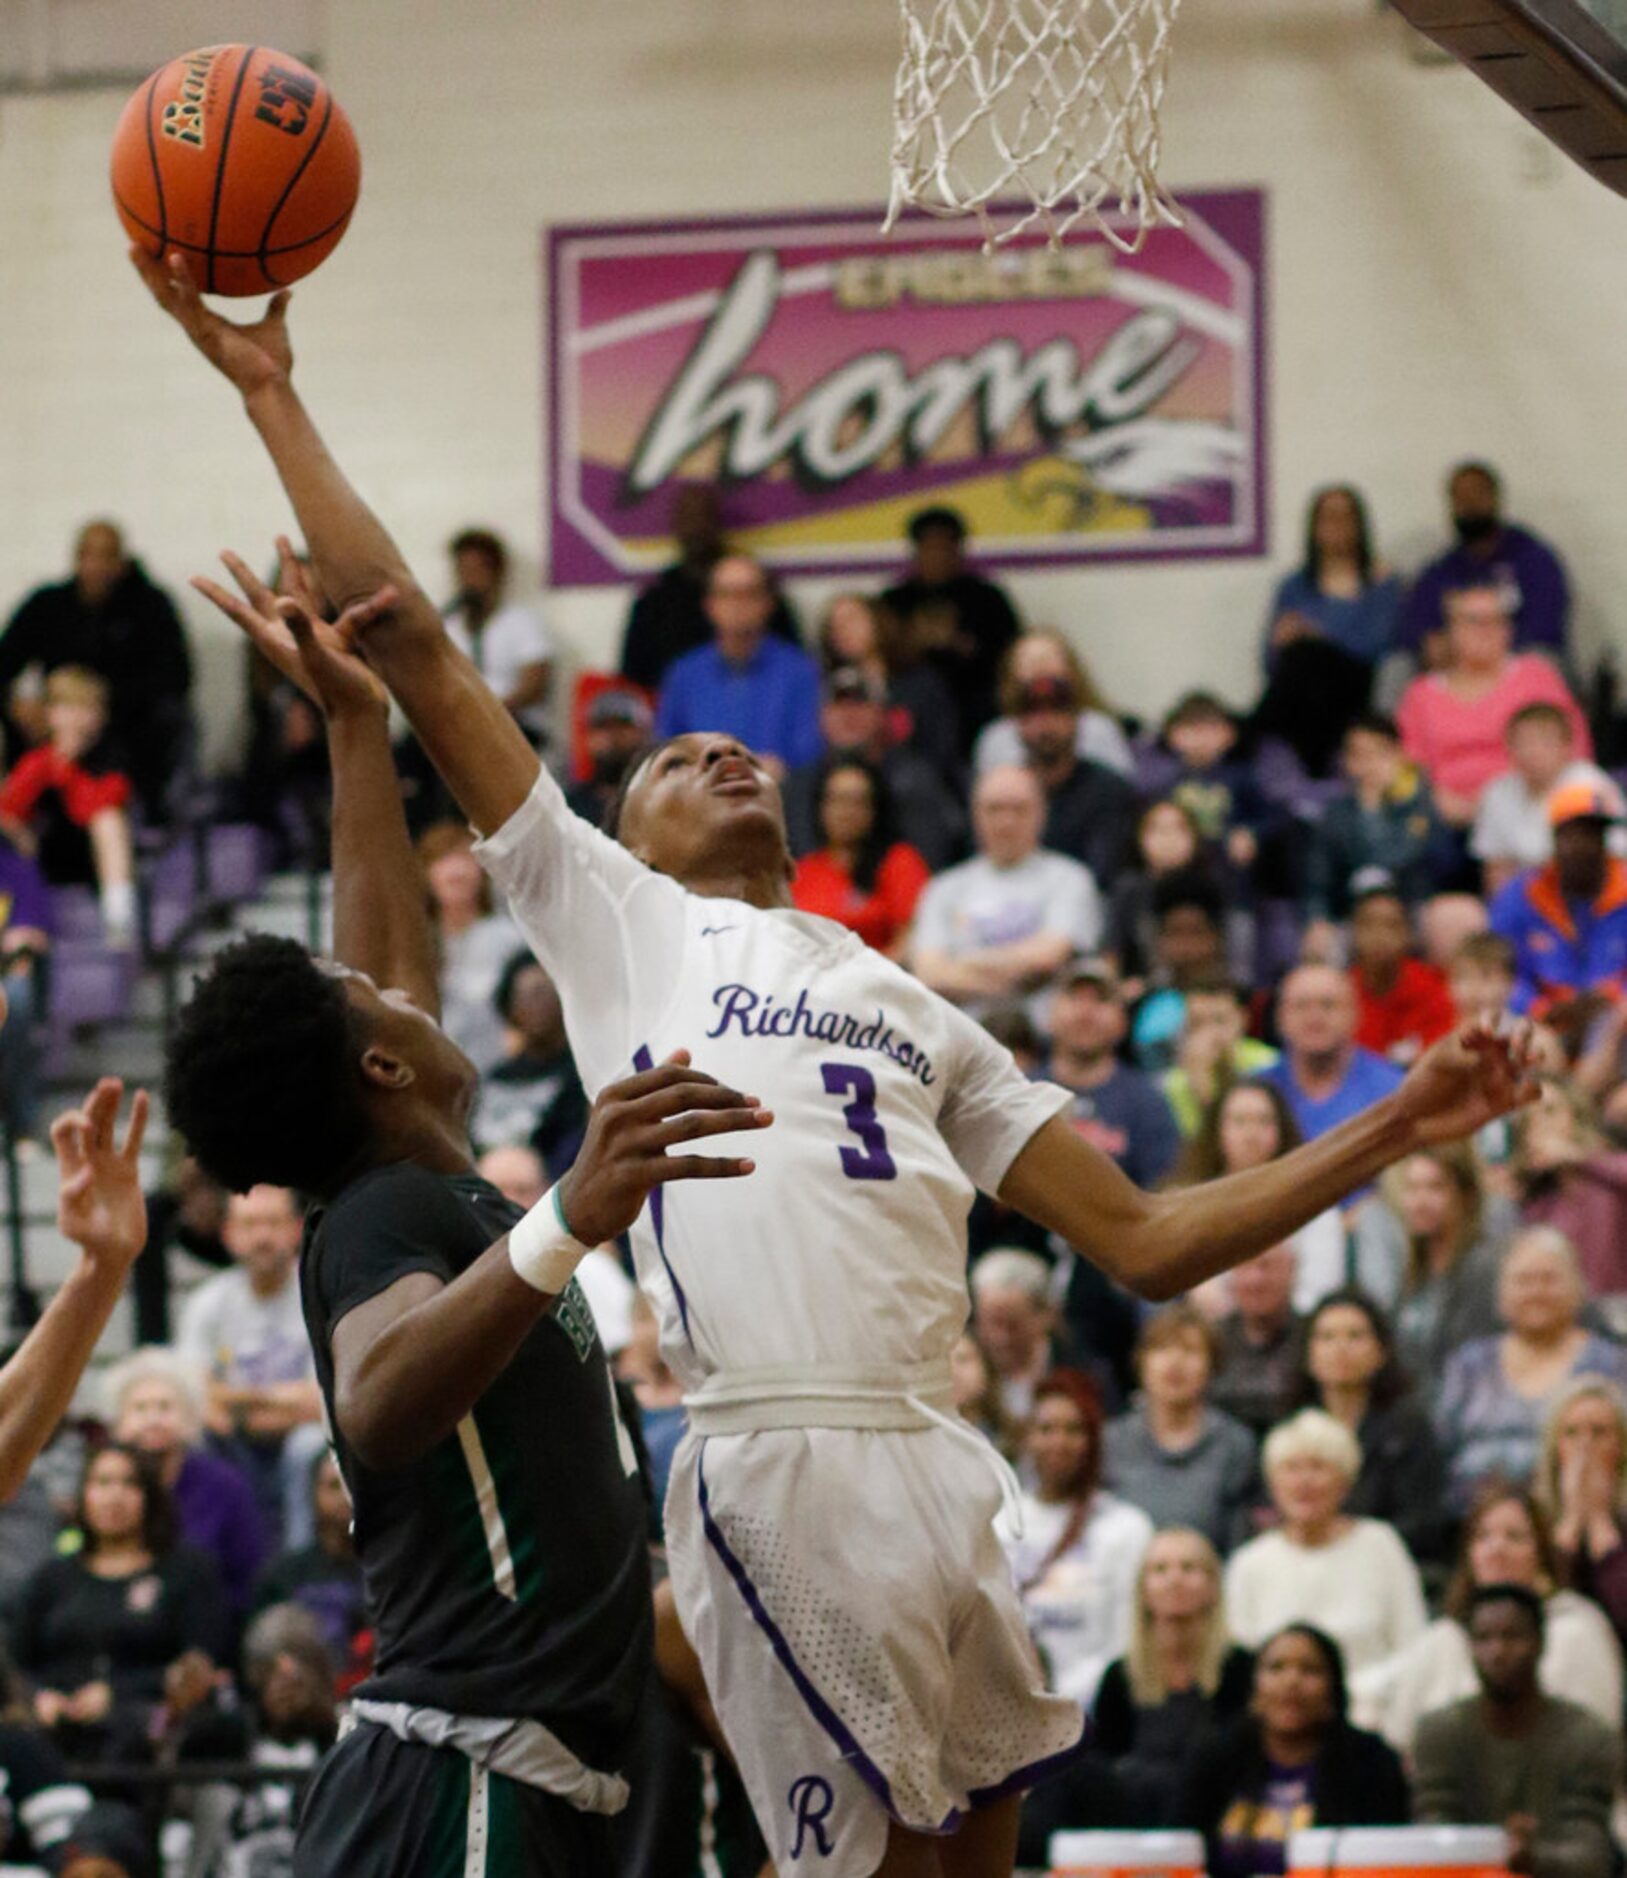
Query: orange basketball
{"x": 239, "y": 157}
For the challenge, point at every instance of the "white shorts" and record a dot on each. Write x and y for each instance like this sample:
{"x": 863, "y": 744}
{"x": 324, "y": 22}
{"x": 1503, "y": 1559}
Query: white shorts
{"x": 864, "y": 1649}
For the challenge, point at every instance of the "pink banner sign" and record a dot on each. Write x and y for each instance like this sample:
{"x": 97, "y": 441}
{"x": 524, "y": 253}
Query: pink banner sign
{"x": 1075, "y": 406}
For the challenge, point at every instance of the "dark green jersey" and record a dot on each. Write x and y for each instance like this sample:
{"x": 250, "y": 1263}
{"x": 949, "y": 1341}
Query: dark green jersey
{"x": 506, "y": 1570}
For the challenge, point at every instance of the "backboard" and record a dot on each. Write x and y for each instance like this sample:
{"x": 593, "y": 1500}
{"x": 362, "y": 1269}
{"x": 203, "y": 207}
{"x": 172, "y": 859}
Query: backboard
{"x": 1561, "y": 63}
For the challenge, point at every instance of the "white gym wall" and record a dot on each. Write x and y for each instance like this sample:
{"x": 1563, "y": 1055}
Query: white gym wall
{"x": 1442, "y": 285}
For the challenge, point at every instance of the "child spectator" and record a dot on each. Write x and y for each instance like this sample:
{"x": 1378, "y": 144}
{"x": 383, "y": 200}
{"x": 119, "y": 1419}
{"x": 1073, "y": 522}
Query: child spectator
{"x": 1385, "y": 818}
{"x": 1511, "y": 831}
{"x": 1404, "y": 1005}
{"x": 1213, "y": 784}
{"x": 1213, "y": 1050}
{"x": 1167, "y": 843}
{"x": 64, "y": 804}
{"x": 1482, "y": 975}
{"x": 1189, "y": 946}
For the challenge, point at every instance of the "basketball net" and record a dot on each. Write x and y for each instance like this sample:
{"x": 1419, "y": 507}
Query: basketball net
{"x": 1055, "y": 101}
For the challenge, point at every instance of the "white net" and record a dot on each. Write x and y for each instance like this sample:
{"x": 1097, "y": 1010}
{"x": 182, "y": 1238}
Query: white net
{"x": 1051, "y": 103}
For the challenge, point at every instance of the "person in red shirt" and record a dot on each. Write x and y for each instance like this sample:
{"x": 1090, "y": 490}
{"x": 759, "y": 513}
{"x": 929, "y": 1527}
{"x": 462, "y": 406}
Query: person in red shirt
{"x": 861, "y": 876}
{"x": 1404, "y": 1004}
{"x": 65, "y": 806}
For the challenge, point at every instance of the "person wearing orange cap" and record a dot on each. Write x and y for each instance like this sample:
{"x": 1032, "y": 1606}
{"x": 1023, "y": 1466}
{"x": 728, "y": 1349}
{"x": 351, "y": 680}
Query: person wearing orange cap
{"x": 1567, "y": 921}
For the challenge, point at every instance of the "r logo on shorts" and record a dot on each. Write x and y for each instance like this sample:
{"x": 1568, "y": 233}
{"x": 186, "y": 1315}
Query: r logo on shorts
{"x": 811, "y": 1799}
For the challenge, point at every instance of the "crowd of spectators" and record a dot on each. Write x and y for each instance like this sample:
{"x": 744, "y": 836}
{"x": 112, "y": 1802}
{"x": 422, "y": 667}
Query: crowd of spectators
{"x": 1335, "y": 1540}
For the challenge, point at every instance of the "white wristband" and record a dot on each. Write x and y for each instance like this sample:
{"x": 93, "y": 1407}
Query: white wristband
{"x": 541, "y": 1248}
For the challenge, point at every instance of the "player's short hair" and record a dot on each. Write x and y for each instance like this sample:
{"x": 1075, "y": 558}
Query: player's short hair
{"x": 1549, "y": 714}
{"x": 617, "y": 806}
{"x": 261, "y": 1072}
{"x": 1315, "y": 1435}
{"x": 1009, "y": 1268}
{"x": 1490, "y": 951}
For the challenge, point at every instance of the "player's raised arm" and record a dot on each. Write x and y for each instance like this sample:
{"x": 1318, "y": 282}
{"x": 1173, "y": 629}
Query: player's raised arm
{"x": 470, "y": 737}
{"x": 380, "y": 919}
{"x": 1160, "y": 1244}
{"x": 101, "y": 1209}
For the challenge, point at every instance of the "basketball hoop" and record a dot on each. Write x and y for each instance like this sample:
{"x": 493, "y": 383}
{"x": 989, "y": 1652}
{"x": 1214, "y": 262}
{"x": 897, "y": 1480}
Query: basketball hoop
{"x": 1055, "y": 101}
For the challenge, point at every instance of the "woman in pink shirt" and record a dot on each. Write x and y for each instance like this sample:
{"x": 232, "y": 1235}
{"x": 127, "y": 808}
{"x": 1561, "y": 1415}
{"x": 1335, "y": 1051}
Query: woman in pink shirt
{"x": 1454, "y": 722}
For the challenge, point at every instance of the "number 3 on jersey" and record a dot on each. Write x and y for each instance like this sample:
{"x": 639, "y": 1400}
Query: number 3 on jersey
{"x": 871, "y": 1161}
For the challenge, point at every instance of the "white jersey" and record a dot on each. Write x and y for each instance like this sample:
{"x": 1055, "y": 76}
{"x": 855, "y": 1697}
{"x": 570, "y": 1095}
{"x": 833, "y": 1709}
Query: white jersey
{"x": 847, "y": 1247}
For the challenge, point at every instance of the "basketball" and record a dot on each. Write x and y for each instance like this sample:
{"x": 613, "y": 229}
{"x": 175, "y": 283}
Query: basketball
{"x": 240, "y": 158}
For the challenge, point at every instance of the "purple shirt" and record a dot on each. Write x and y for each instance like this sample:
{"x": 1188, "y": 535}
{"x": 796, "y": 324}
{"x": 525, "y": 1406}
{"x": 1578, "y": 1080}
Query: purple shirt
{"x": 1530, "y": 571}
{"x": 771, "y": 702}
{"x": 215, "y": 1508}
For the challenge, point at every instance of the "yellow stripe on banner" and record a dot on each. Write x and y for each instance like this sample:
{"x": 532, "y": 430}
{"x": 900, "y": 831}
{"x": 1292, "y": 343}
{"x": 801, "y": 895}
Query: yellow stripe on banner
{"x": 491, "y": 1515}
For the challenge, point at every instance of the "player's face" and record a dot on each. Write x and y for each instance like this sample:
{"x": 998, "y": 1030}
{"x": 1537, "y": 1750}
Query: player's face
{"x": 704, "y": 804}
{"x": 1503, "y": 1546}
{"x": 395, "y": 1024}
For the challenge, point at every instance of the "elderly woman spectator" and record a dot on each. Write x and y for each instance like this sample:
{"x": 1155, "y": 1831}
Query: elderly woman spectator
{"x": 1080, "y": 1548}
{"x": 1182, "y": 1461}
{"x": 1506, "y": 1541}
{"x": 1248, "y": 1125}
{"x": 1498, "y": 1391}
{"x": 861, "y": 875}
{"x": 1566, "y": 1176}
{"x": 1294, "y": 1761}
{"x": 1435, "y": 1223}
{"x": 1581, "y": 1486}
{"x": 1454, "y": 722}
{"x": 157, "y": 1408}
{"x": 1041, "y": 653}
{"x": 475, "y": 940}
{"x": 1351, "y": 1372}
{"x": 102, "y": 1631}
{"x": 1352, "y": 1573}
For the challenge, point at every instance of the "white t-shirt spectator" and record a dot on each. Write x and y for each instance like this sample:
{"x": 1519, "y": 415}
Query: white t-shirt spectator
{"x": 1081, "y": 1607}
{"x": 236, "y": 1337}
{"x": 977, "y": 905}
{"x": 514, "y": 637}
{"x": 1511, "y": 823}
{"x": 1362, "y": 1589}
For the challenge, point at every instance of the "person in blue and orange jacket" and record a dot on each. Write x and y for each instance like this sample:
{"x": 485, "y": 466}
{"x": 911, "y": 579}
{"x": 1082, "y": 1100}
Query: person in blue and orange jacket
{"x": 1568, "y": 921}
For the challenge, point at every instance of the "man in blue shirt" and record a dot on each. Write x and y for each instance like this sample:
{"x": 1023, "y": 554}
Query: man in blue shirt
{"x": 745, "y": 683}
{"x": 1324, "y": 1073}
{"x": 1490, "y": 549}
{"x": 1116, "y": 1108}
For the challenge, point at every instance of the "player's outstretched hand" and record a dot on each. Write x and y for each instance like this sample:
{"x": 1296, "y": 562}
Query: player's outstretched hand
{"x": 1479, "y": 1072}
{"x": 633, "y": 1126}
{"x": 320, "y": 658}
{"x": 99, "y": 1202}
{"x": 251, "y": 355}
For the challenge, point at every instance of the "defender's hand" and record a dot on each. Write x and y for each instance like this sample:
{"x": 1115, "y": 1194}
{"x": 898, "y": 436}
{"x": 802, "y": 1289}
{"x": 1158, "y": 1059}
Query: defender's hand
{"x": 1477, "y": 1073}
{"x": 252, "y": 355}
{"x": 633, "y": 1124}
{"x": 99, "y": 1203}
{"x": 319, "y": 658}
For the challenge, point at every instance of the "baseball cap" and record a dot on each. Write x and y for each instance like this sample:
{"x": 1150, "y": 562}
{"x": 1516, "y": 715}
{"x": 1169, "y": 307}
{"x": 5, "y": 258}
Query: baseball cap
{"x": 1049, "y": 693}
{"x": 1372, "y": 883}
{"x": 852, "y": 683}
{"x": 618, "y": 707}
{"x": 1085, "y": 969}
{"x": 1587, "y": 798}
